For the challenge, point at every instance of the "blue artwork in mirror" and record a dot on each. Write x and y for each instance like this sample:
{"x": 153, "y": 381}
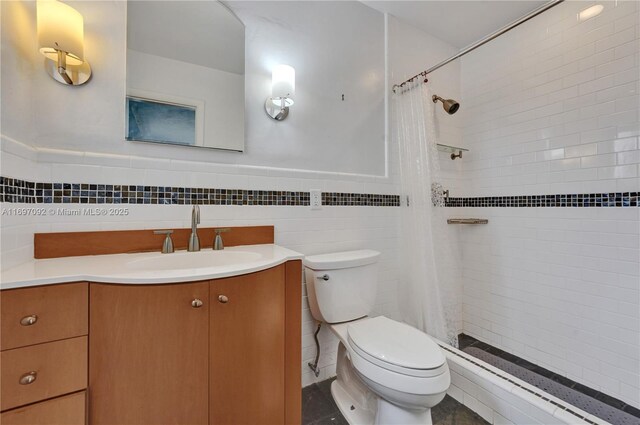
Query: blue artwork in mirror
{"x": 153, "y": 121}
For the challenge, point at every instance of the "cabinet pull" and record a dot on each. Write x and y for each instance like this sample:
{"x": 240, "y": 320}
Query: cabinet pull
{"x": 223, "y": 299}
{"x": 196, "y": 303}
{"x": 28, "y": 378}
{"x": 29, "y": 320}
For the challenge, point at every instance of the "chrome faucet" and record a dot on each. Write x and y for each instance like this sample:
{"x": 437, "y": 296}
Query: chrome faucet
{"x": 194, "y": 241}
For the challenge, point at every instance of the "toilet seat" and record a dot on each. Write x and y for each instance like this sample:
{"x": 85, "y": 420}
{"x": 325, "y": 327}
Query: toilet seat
{"x": 414, "y": 373}
{"x": 407, "y": 380}
{"x": 396, "y": 346}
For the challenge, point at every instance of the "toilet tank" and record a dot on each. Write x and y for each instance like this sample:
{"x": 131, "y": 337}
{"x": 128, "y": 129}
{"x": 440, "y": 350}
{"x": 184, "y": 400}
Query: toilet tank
{"x": 342, "y": 286}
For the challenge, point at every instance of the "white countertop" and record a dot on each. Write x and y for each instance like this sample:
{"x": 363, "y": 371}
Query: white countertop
{"x": 125, "y": 268}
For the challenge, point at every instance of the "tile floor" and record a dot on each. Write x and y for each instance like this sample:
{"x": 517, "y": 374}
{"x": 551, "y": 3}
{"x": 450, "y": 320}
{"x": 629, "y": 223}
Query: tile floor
{"x": 318, "y": 408}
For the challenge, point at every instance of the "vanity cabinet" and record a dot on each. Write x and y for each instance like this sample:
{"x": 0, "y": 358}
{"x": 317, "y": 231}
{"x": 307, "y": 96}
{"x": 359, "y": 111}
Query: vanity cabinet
{"x": 149, "y": 354}
{"x": 222, "y": 352}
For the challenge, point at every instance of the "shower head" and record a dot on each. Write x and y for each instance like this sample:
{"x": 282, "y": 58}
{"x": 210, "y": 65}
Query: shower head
{"x": 449, "y": 105}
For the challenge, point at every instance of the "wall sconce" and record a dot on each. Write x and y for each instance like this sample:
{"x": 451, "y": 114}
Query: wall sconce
{"x": 61, "y": 41}
{"x": 283, "y": 86}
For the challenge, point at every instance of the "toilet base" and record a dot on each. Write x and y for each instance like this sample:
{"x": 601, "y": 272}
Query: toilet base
{"x": 389, "y": 413}
{"x": 357, "y": 403}
{"x": 361, "y": 406}
{"x": 349, "y": 407}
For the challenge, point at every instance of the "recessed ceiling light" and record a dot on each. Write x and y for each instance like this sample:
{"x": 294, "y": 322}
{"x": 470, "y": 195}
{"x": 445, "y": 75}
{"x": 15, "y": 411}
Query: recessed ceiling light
{"x": 590, "y": 12}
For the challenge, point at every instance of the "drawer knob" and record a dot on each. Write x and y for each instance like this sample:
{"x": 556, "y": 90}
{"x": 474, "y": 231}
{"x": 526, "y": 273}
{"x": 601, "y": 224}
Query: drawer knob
{"x": 29, "y": 320}
{"x": 196, "y": 303}
{"x": 223, "y": 299}
{"x": 28, "y": 378}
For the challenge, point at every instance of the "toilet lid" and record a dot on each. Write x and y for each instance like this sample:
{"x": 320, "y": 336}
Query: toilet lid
{"x": 396, "y": 343}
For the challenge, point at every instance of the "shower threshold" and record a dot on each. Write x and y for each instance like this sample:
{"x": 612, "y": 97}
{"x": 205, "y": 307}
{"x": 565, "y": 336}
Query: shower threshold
{"x": 598, "y": 404}
{"x": 501, "y": 398}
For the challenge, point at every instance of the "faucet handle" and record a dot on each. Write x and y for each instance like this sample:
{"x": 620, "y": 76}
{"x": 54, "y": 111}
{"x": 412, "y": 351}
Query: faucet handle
{"x": 217, "y": 243}
{"x": 167, "y": 245}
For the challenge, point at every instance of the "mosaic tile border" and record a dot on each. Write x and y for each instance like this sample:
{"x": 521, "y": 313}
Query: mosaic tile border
{"x": 16, "y": 190}
{"x": 23, "y": 191}
{"x": 359, "y": 199}
{"x": 465, "y": 341}
{"x": 579, "y": 200}
{"x": 505, "y": 376}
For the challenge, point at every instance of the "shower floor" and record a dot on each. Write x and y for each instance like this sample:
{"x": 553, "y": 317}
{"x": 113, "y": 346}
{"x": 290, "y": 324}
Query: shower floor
{"x": 598, "y": 404}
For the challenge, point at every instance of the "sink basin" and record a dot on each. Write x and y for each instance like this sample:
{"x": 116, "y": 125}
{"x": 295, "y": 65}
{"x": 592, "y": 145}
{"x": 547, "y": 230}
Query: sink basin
{"x": 193, "y": 260}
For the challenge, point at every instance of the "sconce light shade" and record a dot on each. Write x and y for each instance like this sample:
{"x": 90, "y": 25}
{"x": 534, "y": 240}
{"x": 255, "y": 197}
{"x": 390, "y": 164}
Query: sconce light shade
{"x": 283, "y": 87}
{"x": 283, "y": 82}
{"x": 60, "y": 27}
{"x": 61, "y": 40}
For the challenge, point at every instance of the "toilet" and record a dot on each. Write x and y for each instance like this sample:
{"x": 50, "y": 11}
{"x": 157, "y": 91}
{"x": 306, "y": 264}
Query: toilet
{"x": 387, "y": 371}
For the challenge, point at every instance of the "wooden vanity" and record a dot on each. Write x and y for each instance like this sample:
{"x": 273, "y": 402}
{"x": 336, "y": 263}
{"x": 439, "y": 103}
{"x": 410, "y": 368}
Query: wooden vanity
{"x": 217, "y": 351}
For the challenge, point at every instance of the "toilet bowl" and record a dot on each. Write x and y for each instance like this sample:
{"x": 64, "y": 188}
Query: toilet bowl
{"x": 387, "y": 371}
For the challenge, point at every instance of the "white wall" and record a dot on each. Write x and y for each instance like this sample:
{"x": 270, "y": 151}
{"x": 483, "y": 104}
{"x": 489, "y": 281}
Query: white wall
{"x": 54, "y": 133}
{"x": 221, "y": 92}
{"x": 552, "y": 108}
{"x": 55, "y": 115}
{"x": 322, "y": 132}
{"x": 336, "y": 48}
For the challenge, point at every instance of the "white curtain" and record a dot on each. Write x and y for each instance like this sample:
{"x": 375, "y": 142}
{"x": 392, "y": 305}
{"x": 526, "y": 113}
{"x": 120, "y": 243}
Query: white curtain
{"x": 429, "y": 290}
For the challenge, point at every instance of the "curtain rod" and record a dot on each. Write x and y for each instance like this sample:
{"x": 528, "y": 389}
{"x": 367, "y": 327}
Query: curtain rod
{"x": 483, "y": 41}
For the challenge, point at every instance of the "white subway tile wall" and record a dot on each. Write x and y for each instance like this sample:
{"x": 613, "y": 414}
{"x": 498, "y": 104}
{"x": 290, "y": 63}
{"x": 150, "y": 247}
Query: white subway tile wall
{"x": 553, "y": 107}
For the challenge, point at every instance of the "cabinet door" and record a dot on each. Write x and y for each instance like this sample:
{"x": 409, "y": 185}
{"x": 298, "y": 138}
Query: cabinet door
{"x": 148, "y": 355}
{"x": 247, "y": 349}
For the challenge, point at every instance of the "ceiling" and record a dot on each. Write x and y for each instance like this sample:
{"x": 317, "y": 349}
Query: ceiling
{"x": 458, "y": 23}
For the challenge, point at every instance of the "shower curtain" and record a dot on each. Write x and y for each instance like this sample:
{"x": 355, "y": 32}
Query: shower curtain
{"x": 429, "y": 292}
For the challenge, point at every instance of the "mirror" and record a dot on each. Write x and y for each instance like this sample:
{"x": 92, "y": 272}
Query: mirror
{"x": 185, "y": 74}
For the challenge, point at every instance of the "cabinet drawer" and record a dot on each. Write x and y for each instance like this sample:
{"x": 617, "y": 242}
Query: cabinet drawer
{"x": 66, "y": 410}
{"x": 41, "y": 314}
{"x": 59, "y": 368}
